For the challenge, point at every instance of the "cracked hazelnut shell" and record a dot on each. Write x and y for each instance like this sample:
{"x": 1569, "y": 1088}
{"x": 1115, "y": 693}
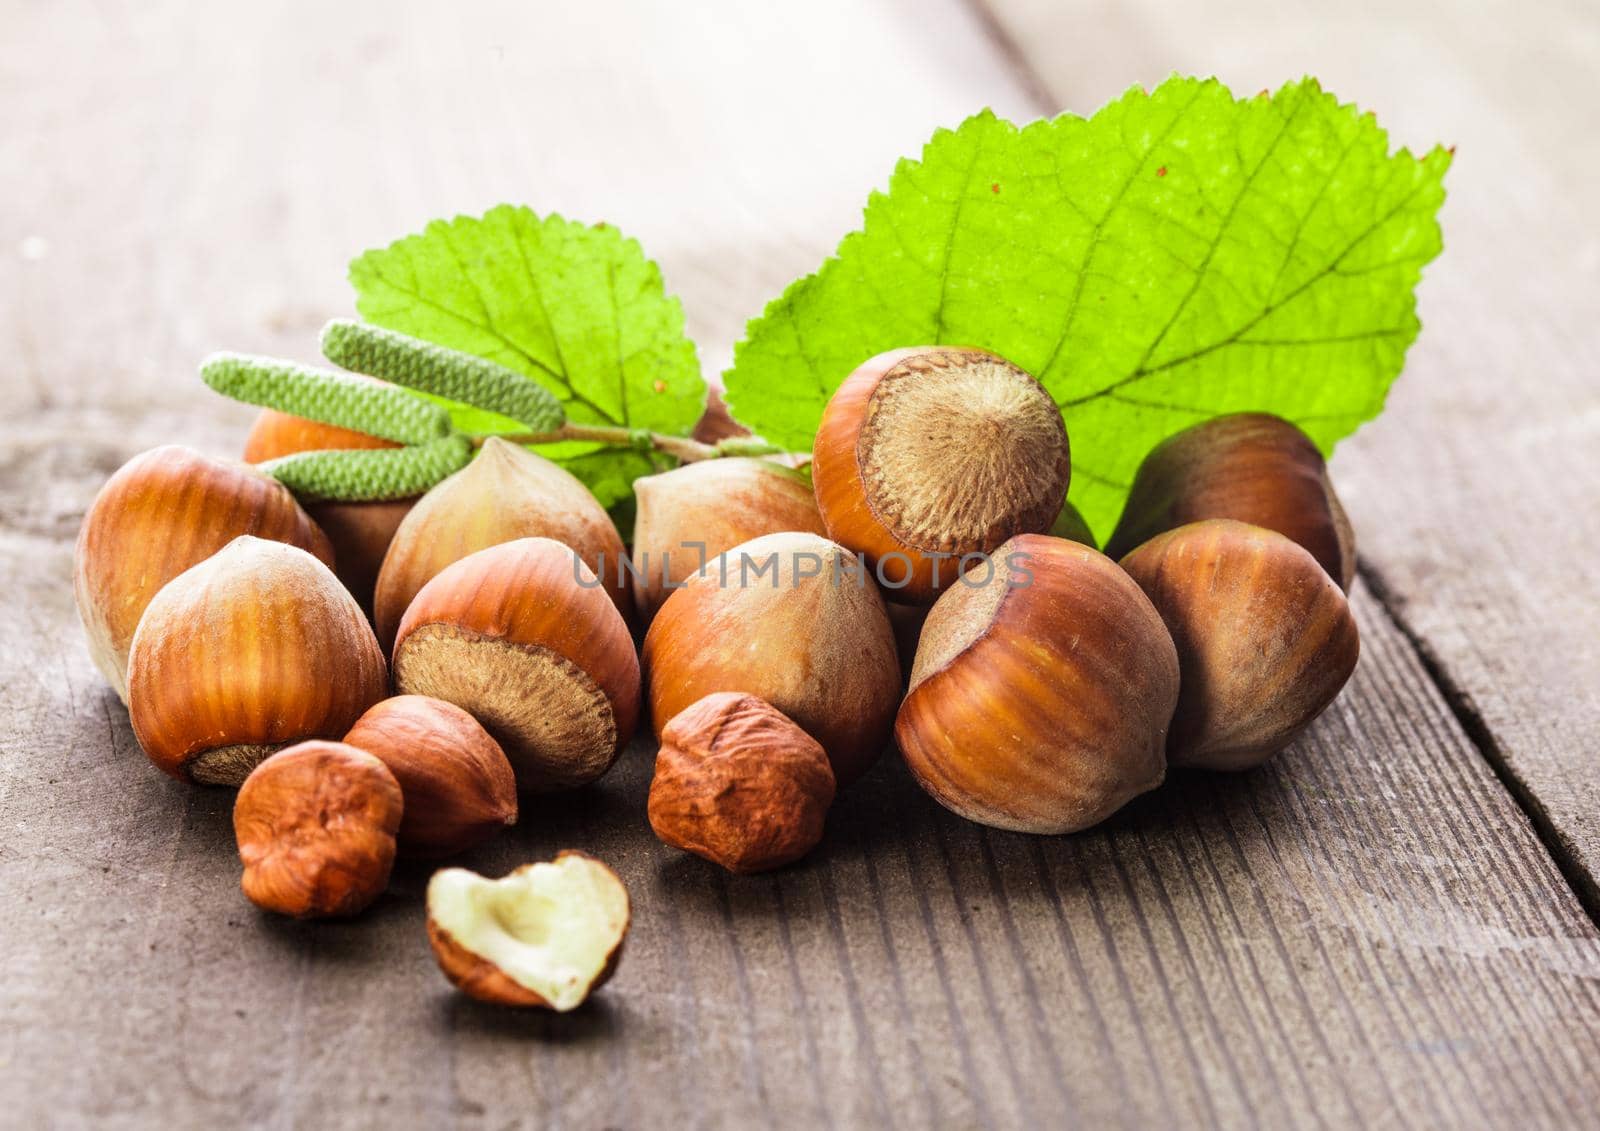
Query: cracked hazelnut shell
{"x": 546, "y": 936}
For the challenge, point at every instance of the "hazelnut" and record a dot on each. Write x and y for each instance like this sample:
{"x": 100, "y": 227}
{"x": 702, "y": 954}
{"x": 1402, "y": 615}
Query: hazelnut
{"x": 1265, "y": 638}
{"x": 276, "y": 434}
{"x": 161, "y": 513}
{"x": 316, "y": 825}
{"x": 458, "y": 786}
{"x": 1042, "y": 690}
{"x": 505, "y": 493}
{"x": 547, "y": 935}
{"x": 930, "y": 454}
{"x": 793, "y": 619}
{"x": 738, "y": 783}
{"x": 523, "y": 638}
{"x": 715, "y": 424}
{"x": 256, "y": 647}
{"x": 689, "y": 515}
{"x": 1250, "y": 467}
{"x": 359, "y": 532}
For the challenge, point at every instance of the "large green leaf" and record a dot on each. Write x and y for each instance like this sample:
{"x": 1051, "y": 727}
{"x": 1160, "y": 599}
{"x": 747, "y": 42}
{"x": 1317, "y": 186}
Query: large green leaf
{"x": 578, "y": 309}
{"x": 1180, "y": 254}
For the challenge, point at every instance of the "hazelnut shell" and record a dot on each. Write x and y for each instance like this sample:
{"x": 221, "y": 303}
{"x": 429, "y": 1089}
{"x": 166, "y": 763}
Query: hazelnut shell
{"x": 160, "y": 513}
{"x": 929, "y": 454}
{"x": 808, "y": 635}
{"x": 1040, "y": 698}
{"x": 523, "y": 638}
{"x": 689, "y": 515}
{"x": 1265, "y": 638}
{"x": 256, "y": 647}
{"x": 1251, "y": 467}
{"x": 505, "y": 493}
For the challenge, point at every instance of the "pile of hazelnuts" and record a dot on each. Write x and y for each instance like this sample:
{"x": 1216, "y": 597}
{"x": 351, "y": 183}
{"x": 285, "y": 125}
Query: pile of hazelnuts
{"x": 389, "y": 677}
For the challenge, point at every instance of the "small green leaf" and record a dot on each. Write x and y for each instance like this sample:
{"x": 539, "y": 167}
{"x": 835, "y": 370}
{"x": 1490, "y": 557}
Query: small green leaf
{"x": 578, "y": 309}
{"x": 1180, "y": 254}
{"x": 331, "y": 398}
{"x": 449, "y": 374}
{"x": 359, "y": 476}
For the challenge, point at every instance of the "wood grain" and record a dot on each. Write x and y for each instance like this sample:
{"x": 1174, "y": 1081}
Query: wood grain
{"x": 1474, "y": 494}
{"x": 1367, "y": 932}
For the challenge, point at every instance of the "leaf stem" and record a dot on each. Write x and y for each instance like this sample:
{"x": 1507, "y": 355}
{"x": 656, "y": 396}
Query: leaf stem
{"x": 679, "y": 447}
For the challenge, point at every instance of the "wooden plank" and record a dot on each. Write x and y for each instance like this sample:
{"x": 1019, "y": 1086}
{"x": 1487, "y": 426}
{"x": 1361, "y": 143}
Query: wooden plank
{"x": 1473, "y": 495}
{"x": 1366, "y": 932}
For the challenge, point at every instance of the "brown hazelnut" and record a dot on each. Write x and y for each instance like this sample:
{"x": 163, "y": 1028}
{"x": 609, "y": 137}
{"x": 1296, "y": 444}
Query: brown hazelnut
{"x": 162, "y": 512}
{"x": 505, "y": 493}
{"x": 1250, "y": 467}
{"x": 546, "y": 936}
{"x": 458, "y": 786}
{"x": 523, "y": 638}
{"x": 689, "y": 515}
{"x": 927, "y": 455}
{"x": 738, "y": 783}
{"x": 1265, "y": 638}
{"x": 793, "y": 619}
{"x": 359, "y": 532}
{"x": 316, "y": 826}
{"x": 1042, "y": 690}
{"x": 256, "y": 647}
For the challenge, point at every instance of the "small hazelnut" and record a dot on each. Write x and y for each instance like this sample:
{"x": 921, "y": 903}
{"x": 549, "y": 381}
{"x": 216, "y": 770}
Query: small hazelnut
{"x": 927, "y": 455}
{"x": 359, "y": 532}
{"x": 458, "y": 786}
{"x": 1265, "y": 638}
{"x": 316, "y": 825}
{"x": 547, "y": 935}
{"x": 738, "y": 783}
{"x": 162, "y": 512}
{"x": 523, "y": 638}
{"x": 1251, "y": 467}
{"x": 689, "y": 515}
{"x": 715, "y": 424}
{"x": 1042, "y": 690}
{"x": 256, "y": 647}
{"x": 505, "y": 493}
{"x": 793, "y": 619}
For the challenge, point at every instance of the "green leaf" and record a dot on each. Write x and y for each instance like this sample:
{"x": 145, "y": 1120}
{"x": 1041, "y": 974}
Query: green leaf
{"x": 1180, "y": 254}
{"x": 454, "y": 376}
{"x": 578, "y": 309}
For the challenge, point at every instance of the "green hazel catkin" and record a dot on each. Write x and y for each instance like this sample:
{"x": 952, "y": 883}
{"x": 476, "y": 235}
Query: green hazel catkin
{"x": 331, "y": 398}
{"x": 447, "y": 373}
{"x": 370, "y": 476}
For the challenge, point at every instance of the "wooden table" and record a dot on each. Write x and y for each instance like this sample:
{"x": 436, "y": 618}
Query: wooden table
{"x": 1393, "y": 924}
